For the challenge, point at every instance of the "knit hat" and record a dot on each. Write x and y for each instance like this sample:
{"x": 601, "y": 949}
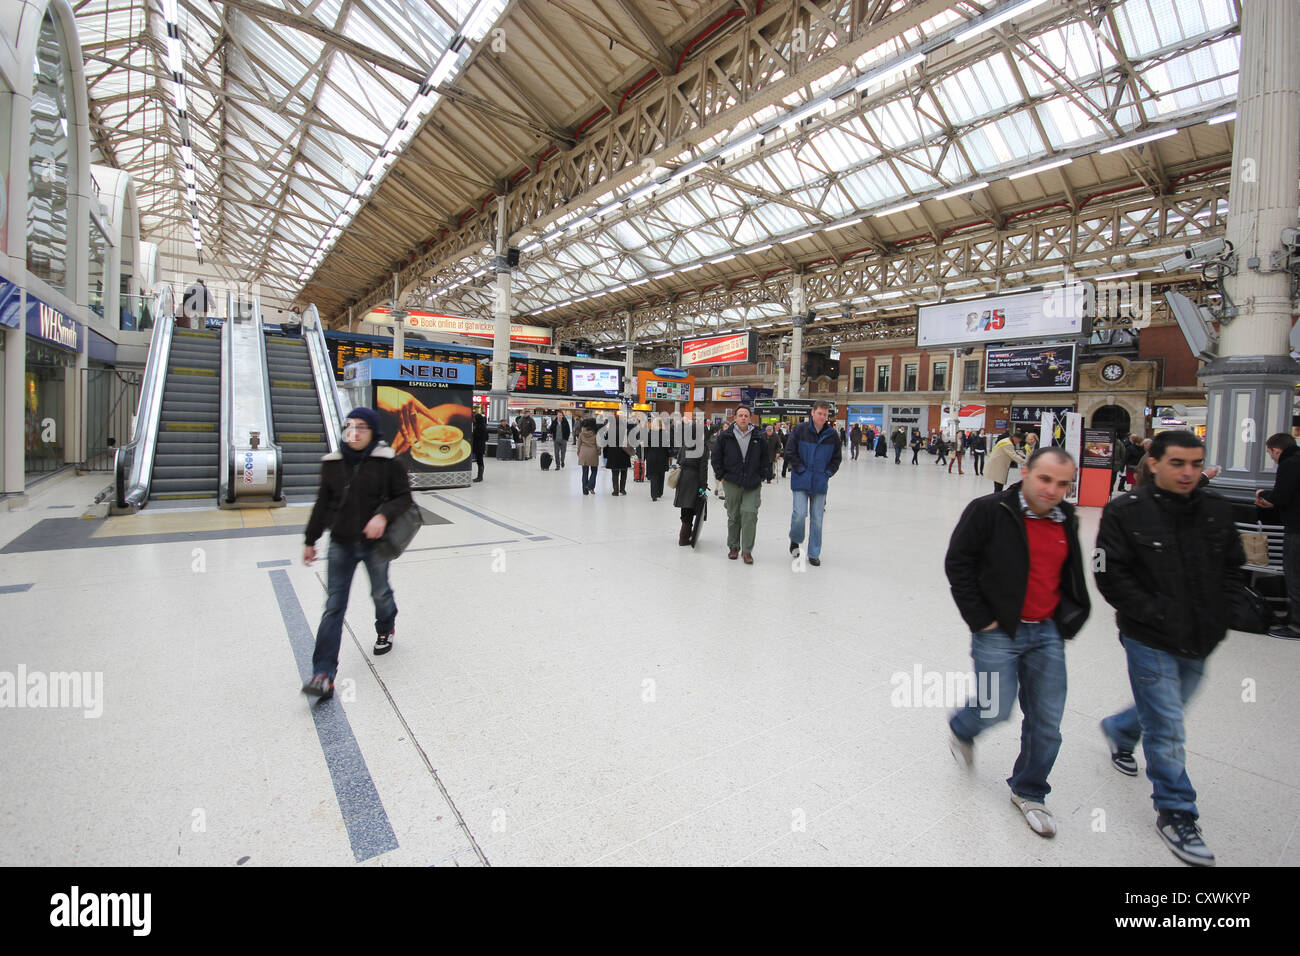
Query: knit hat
{"x": 371, "y": 418}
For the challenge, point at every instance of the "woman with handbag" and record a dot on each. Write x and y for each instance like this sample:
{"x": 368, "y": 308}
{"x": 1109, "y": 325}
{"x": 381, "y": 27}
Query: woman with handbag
{"x": 692, "y": 477}
{"x": 363, "y": 487}
{"x": 658, "y": 453}
{"x": 588, "y": 454}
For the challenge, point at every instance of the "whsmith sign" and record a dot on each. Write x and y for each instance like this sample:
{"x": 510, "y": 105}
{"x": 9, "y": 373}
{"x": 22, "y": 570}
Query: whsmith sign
{"x": 49, "y": 324}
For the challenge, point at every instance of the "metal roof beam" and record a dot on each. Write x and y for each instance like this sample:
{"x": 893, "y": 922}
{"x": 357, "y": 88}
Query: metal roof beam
{"x": 329, "y": 37}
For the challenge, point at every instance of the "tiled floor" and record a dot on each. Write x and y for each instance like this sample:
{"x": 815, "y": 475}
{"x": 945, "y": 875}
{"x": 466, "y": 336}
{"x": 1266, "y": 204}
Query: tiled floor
{"x": 584, "y": 692}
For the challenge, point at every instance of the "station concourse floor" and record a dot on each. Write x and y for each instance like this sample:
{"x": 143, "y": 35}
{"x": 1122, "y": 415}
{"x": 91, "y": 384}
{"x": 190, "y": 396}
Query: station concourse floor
{"x": 568, "y": 686}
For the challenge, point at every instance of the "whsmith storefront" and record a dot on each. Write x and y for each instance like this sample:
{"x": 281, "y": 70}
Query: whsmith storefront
{"x": 54, "y": 341}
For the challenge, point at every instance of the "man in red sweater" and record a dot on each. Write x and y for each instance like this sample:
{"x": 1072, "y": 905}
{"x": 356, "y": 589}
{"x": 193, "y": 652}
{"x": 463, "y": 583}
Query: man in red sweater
{"x": 1016, "y": 573}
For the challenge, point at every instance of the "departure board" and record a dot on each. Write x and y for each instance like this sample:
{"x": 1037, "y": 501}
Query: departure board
{"x": 537, "y": 376}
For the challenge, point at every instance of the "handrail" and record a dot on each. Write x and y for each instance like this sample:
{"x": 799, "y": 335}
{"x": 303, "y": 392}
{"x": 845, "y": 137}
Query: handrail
{"x": 226, "y": 466}
{"x": 264, "y": 370}
{"x": 133, "y": 462}
{"x": 322, "y": 370}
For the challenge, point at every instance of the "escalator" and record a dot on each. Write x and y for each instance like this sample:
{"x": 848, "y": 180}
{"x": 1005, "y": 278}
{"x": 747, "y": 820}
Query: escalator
{"x": 186, "y": 461}
{"x": 296, "y": 415}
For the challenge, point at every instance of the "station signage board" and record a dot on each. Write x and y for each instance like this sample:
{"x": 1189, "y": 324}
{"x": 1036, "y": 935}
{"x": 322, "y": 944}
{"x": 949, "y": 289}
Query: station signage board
{"x": 729, "y": 349}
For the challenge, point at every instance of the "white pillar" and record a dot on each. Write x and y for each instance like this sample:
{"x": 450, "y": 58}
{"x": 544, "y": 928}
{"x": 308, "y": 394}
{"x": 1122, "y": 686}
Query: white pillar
{"x": 954, "y": 396}
{"x": 629, "y": 372}
{"x": 398, "y": 315}
{"x": 499, "y": 400}
{"x": 799, "y": 313}
{"x": 1251, "y": 384}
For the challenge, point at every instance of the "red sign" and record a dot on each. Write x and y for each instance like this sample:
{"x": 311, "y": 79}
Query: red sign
{"x": 727, "y": 349}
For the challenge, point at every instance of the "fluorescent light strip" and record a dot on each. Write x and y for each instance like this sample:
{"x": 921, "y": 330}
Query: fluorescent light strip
{"x": 1055, "y": 164}
{"x": 1116, "y": 147}
{"x": 1221, "y": 118}
{"x": 893, "y": 209}
{"x": 804, "y": 235}
{"x": 1114, "y": 275}
{"x": 1013, "y": 10}
{"x": 750, "y": 252}
{"x": 884, "y": 73}
{"x": 961, "y": 191}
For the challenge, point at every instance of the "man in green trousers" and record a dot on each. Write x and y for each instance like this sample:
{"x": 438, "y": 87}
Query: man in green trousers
{"x": 742, "y": 463}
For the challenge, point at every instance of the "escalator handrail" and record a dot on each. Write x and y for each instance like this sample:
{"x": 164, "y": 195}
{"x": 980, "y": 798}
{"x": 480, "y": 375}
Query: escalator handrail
{"x": 226, "y": 468}
{"x": 322, "y": 371}
{"x": 133, "y": 462}
{"x": 273, "y": 431}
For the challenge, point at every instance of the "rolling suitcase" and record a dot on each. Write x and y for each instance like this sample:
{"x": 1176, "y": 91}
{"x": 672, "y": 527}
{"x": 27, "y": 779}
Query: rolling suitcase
{"x": 546, "y": 461}
{"x": 638, "y": 470}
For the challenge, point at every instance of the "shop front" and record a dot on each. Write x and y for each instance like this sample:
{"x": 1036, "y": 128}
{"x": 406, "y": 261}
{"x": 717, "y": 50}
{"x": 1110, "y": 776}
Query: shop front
{"x": 53, "y": 342}
{"x": 908, "y": 417}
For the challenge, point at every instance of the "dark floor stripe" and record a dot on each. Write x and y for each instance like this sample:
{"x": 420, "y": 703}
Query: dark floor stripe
{"x": 479, "y": 514}
{"x": 14, "y": 588}
{"x": 274, "y": 564}
{"x": 363, "y": 812}
{"x": 449, "y": 547}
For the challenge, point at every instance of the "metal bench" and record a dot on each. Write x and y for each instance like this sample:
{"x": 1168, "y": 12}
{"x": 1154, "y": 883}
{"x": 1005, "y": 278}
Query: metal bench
{"x": 1280, "y": 605}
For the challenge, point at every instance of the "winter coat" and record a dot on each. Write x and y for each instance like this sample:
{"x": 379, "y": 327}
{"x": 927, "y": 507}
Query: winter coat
{"x": 899, "y": 440}
{"x": 349, "y": 496}
{"x": 1285, "y": 493}
{"x": 1000, "y": 460}
{"x": 560, "y": 430}
{"x": 1171, "y": 568}
{"x": 988, "y": 566}
{"x": 617, "y": 457}
{"x": 657, "y": 457}
{"x": 775, "y": 446}
{"x": 748, "y": 472}
{"x": 588, "y": 448}
{"x": 814, "y": 456}
{"x": 695, "y": 473}
{"x": 478, "y": 436}
{"x": 882, "y": 446}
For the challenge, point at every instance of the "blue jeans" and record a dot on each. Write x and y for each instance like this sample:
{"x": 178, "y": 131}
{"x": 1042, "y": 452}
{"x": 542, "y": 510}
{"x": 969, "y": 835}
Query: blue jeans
{"x": 1033, "y": 663}
{"x": 343, "y": 560}
{"x": 1162, "y": 685}
{"x": 589, "y": 477}
{"x": 801, "y": 502}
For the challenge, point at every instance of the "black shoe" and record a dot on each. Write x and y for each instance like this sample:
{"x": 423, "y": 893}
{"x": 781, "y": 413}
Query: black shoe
{"x": 478, "y": 479}
{"x": 815, "y": 562}
{"x": 794, "y": 547}
{"x": 1121, "y": 759}
{"x": 383, "y": 643}
{"x": 319, "y": 686}
{"x": 1284, "y": 631}
{"x": 1179, "y": 831}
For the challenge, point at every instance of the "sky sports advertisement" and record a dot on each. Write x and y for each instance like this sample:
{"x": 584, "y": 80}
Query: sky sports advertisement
{"x": 1056, "y": 311}
{"x": 1031, "y": 368}
{"x": 596, "y": 381}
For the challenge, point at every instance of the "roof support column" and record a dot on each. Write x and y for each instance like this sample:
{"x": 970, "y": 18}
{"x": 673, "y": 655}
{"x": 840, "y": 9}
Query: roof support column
{"x": 499, "y": 399}
{"x": 1251, "y": 385}
{"x": 398, "y": 315}
{"x": 629, "y": 374}
{"x": 799, "y": 314}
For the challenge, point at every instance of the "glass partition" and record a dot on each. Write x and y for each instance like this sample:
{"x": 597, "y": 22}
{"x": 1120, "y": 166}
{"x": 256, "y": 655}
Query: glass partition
{"x": 48, "y": 161}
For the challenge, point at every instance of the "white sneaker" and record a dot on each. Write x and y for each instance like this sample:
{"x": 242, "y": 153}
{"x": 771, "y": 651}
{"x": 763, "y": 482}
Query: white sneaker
{"x": 1036, "y": 815}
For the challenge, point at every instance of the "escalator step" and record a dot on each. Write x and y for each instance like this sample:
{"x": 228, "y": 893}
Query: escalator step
{"x": 189, "y": 427}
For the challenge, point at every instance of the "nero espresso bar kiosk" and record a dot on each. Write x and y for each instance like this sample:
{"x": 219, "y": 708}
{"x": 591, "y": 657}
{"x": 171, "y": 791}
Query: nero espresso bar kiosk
{"x": 425, "y": 413}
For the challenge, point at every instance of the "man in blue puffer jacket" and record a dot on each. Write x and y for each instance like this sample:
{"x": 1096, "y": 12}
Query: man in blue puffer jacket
{"x": 814, "y": 455}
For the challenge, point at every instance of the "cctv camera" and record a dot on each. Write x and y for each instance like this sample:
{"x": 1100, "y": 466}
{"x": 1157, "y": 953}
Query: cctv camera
{"x": 1291, "y": 237}
{"x": 1200, "y": 251}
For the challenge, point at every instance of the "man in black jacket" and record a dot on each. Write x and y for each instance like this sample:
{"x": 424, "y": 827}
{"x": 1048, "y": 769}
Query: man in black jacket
{"x": 1285, "y": 497}
{"x": 1016, "y": 573}
{"x": 1169, "y": 561}
{"x": 560, "y": 435}
{"x": 363, "y": 486}
{"x": 741, "y": 462}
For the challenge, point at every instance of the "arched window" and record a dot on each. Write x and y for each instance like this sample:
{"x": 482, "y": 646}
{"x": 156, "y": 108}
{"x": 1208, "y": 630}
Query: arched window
{"x": 49, "y": 160}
